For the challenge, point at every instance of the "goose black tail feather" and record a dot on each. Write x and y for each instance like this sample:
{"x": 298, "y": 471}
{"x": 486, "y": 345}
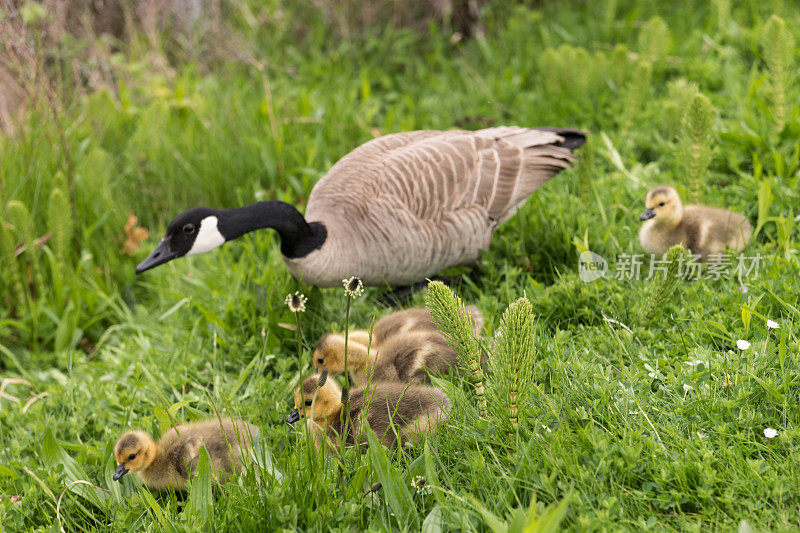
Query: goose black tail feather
{"x": 573, "y": 138}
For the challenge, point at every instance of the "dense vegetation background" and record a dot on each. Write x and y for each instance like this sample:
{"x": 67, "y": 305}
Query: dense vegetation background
{"x": 116, "y": 120}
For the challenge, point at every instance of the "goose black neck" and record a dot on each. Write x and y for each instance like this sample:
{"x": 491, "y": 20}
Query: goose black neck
{"x": 298, "y": 237}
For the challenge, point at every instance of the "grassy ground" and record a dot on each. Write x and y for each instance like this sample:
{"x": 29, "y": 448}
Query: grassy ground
{"x": 625, "y": 421}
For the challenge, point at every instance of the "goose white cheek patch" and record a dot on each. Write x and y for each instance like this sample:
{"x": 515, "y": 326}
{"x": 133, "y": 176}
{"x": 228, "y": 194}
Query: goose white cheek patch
{"x": 208, "y": 237}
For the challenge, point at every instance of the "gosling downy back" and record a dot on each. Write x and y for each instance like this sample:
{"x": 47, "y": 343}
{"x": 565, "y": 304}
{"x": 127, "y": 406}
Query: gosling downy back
{"x": 413, "y": 410}
{"x": 405, "y": 346}
{"x": 416, "y": 318}
{"x": 395, "y": 210}
{"x": 169, "y": 463}
{"x": 703, "y": 230}
{"x": 410, "y": 358}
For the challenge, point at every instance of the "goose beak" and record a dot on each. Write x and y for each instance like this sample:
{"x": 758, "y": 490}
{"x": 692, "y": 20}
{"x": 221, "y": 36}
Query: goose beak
{"x": 293, "y": 417}
{"x": 648, "y": 214}
{"x": 160, "y": 255}
{"x": 121, "y": 471}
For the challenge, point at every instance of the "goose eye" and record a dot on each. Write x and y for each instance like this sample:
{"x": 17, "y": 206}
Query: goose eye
{"x": 661, "y": 204}
{"x": 321, "y": 361}
{"x": 308, "y": 403}
{"x": 131, "y": 457}
{"x": 188, "y": 228}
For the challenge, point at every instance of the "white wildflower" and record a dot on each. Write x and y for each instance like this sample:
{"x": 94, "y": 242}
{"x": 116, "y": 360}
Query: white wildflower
{"x": 742, "y": 344}
{"x": 701, "y": 434}
{"x": 418, "y": 484}
{"x": 353, "y": 286}
{"x": 296, "y": 302}
{"x": 770, "y": 433}
{"x": 771, "y": 324}
{"x": 687, "y": 388}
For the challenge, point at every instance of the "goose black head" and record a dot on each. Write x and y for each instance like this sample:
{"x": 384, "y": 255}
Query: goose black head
{"x": 192, "y": 232}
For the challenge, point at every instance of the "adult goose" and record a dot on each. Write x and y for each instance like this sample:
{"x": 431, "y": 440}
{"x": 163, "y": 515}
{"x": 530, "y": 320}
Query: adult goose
{"x": 396, "y": 210}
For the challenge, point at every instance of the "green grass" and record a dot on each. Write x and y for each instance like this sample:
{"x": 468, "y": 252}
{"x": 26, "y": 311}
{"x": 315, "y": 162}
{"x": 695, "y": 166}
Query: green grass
{"x": 611, "y": 425}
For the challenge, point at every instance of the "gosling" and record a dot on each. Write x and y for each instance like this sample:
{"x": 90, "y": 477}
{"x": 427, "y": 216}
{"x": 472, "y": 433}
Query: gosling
{"x": 411, "y": 410}
{"x": 407, "y": 358}
{"x": 704, "y": 230}
{"x": 169, "y": 463}
{"x": 413, "y": 319}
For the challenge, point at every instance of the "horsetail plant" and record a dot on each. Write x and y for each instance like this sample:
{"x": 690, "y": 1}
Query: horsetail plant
{"x": 655, "y": 39}
{"x": 8, "y": 263}
{"x": 636, "y": 94}
{"x": 511, "y": 365}
{"x": 20, "y": 217}
{"x": 697, "y": 126}
{"x": 662, "y": 289}
{"x": 777, "y": 47}
{"x": 451, "y": 318}
{"x": 59, "y": 225}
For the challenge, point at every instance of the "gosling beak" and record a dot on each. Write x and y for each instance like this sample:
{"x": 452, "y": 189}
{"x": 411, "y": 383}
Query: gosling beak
{"x": 293, "y": 417}
{"x": 121, "y": 471}
{"x": 648, "y": 214}
{"x": 160, "y": 255}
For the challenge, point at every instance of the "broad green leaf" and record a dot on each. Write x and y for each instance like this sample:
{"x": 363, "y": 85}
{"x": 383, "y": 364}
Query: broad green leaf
{"x": 492, "y": 520}
{"x": 434, "y": 522}
{"x": 54, "y": 455}
{"x": 263, "y": 458}
{"x": 746, "y": 315}
{"x": 177, "y": 405}
{"x": 397, "y": 494}
{"x": 765, "y": 199}
{"x": 163, "y": 419}
{"x": 7, "y": 472}
{"x": 550, "y": 520}
{"x": 767, "y": 387}
{"x": 201, "y": 497}
{"x": 153, "y": 507}
{"x": 431, "y": 476}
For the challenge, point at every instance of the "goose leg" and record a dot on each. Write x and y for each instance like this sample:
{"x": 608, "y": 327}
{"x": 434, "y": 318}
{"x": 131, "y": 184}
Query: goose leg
{"x": 402, "y": 295}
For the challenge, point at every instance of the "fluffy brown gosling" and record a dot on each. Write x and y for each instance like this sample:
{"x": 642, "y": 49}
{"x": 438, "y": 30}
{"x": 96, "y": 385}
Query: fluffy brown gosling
{"x": 404, "y": 346}
{"x": 703, "y": 230}
{"x": 414, "y": 410}
{"x": 405, "y": 358}
{"x": 401, "y": 322}
{"x": 170, "y": 462}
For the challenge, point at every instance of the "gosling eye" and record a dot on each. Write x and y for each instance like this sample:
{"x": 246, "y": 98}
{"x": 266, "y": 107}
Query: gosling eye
{"x": 131, "y": 457}
{"x": 321, "y": 361}
{"x": 188, "y": 228}
{"x": 308, "y": 403}
{"x": 662, "y": 204}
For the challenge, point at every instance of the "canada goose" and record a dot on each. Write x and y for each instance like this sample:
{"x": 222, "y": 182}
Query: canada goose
{"x": 395, "y": 210}
{"x": 399, "y": 322}
{"x": 169, "y": 463}
{"x": 703, "y": 230}
{"x": 404, "y": 357}
{"x": 412, "y": 409}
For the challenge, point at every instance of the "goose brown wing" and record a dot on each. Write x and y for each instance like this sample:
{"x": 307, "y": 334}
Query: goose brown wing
{"x": 429, "y": 174}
